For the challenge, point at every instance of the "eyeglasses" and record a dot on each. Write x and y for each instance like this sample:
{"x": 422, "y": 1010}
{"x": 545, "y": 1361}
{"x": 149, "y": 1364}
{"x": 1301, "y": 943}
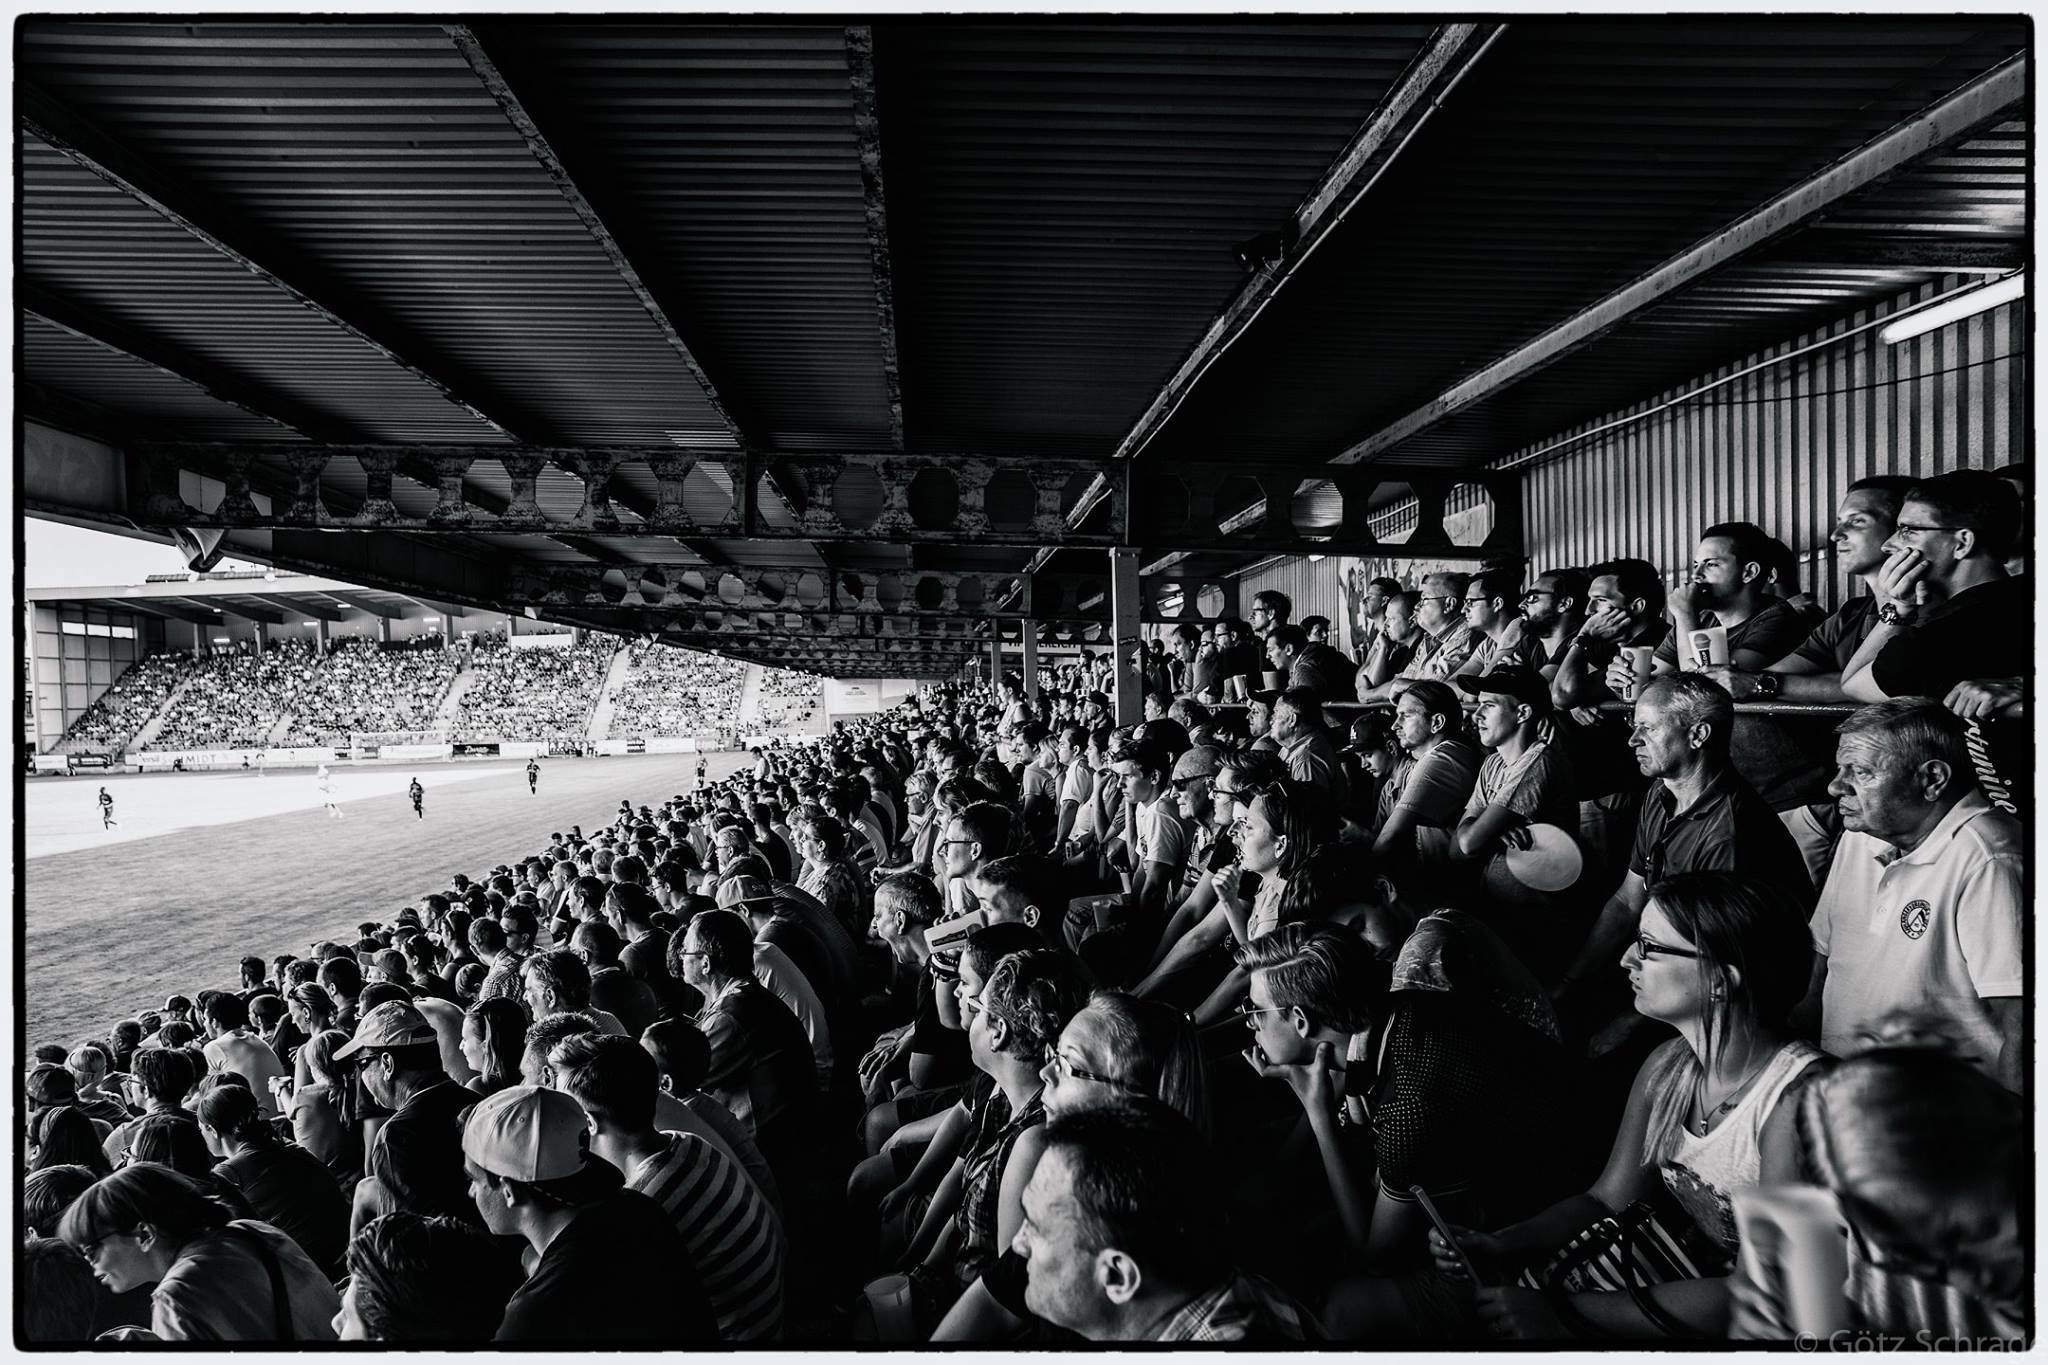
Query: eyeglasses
{"x": 691, "y": 952}
{"x": 948, "y": 843}
{"x": 1059, "y": 1063}
{"x": 1647, "y": 948}
{"x": 1908, "y": 528}
{"x": 1474, "y": 601}
{"x": 1249, "y": 1011}
{"x": 1544, "y": 592}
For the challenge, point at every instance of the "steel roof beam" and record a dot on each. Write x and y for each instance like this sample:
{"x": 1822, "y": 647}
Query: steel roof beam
{"x": 1450, "y": 52}
{"x": 300, "y": 606}
{"x": 867, "y": 133}
{"x": 364, "y": 602}
{"x": 1991, "y": 96}
{"x": 50, "y": 120}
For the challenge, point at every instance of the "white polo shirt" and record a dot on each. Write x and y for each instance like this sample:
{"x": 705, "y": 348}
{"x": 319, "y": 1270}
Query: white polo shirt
{"x": 1936, "y": 930}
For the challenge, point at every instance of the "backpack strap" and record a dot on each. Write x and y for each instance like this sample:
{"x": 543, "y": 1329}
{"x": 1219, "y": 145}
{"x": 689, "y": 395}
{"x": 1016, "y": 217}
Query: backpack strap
{"x": 280, "y": 1301}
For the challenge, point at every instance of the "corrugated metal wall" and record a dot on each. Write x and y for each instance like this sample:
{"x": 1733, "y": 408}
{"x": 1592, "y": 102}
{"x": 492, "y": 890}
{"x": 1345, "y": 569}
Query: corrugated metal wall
{"x": 1311, "y": 585}
{"x": 1779, "y": 447}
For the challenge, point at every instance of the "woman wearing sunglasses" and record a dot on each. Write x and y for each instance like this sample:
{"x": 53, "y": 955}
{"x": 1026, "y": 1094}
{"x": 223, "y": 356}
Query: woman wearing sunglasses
{"x": 1722, "y": 960}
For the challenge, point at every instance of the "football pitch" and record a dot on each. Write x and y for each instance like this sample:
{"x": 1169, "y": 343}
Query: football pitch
{"x": 207, "y": 867}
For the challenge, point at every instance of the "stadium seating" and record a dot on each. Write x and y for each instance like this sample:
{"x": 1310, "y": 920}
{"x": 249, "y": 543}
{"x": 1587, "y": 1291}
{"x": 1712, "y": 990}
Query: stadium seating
{"x": 236, "y": 700}
{"x": 671, "y": 691}
{"x": 112, "y": 720}
{"x": 533, "y": 693}
{"x": 361, "y": 686}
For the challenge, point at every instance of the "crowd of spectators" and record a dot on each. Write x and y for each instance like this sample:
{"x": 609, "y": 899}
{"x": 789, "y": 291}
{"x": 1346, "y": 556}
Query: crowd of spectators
{"x": 235, "y": 700}
{"x": 117, "y": 713}
{"x": 672, "y": 691}
{"x": 1509, "y": 1008}
{"x": 533, "y": 692}
{"x": 362, "y": 685}
{"x": 789, "y": 698}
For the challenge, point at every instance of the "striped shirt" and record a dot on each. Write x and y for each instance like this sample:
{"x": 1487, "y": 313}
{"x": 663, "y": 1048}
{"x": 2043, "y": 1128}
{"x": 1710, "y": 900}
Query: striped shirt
{"x": 727, "y": 1228}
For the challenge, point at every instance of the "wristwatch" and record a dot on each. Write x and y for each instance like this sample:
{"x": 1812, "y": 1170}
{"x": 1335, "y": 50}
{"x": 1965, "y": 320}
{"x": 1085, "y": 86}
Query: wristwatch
{"x": 1890, "y": 614}
{"x": 1769, "y": 685}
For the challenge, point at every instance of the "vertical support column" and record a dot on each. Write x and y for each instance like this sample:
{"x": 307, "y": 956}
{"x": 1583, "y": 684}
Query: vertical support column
{"x": 995, "y": 651}
{"x": 1030, "y": 658}
{"x": 1123, "y": 612}
{"x": 320, "y": 636}
{"x": 262, "y": 637}
{"x": 383, "y": 630}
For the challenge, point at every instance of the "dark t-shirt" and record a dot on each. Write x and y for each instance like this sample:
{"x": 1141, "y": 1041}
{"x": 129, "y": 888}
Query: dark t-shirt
{"x": 293, "y": 1191}
{"x": 418, "y": 1154}
{"x": 618, "y": 1272}
{"x": 1773, "y": 632}
{"x": 1986, "y": 632}
{"x": 946, "y": 1047}
{"x": 1729, "y": 829}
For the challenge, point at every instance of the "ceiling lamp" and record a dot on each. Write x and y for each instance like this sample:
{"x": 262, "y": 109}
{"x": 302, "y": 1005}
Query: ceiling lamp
{"x": 1962, "y": 306}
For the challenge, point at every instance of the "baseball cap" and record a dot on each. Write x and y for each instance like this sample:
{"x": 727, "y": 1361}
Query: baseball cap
{"x": 1519, "y": 681}
{"x": 538, "y": 1137}
{"x": 395, "y": 1023}
{"x": 745, "y": 889}
{"x": 1204, "y": 760}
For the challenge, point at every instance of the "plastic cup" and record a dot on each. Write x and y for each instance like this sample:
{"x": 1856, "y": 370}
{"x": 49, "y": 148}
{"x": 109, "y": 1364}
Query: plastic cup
{"x": 1709, "y": 646}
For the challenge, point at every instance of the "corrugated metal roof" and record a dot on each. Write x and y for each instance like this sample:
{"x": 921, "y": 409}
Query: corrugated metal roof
{"x": 107, "y": 379}
{"x": 733, "y": 149}
{"x": 1578, "y": 155}
{"x": 374, "y": 154}
{"x": 1065, "y": 200}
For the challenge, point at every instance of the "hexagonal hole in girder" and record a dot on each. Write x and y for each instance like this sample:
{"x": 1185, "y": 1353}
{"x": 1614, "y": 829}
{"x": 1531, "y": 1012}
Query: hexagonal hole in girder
{"x": 1094, "y": 632}
{"x": 707, "y": 493}
{"x": 810, "y": 591}
{"x": 969, "y": 592}
{"x": 930, "y": 593}
{"x": 732, "y": 589}
{"x": 1162, "y": 502}
{"x": 1010, "y": 500}
{"x": 858, "y": 497}
{"x": 1469, "y": 514}
{"x": 1240, "y": 506}
{"x": 934, "y": 497}
{"x": 889, "y": 591}
{"x": 692, "y": 584}
{"x": 1091, "y": 596}
{"x": 1209, "y": 601}
{"x": 1317, "y": 508}
{"x": 1392, "y": 513}
{"x": 853, "y": 590}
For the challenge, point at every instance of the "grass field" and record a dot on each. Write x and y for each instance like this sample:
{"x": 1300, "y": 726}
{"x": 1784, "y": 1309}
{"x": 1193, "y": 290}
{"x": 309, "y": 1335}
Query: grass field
{"x": 207, "y": 867}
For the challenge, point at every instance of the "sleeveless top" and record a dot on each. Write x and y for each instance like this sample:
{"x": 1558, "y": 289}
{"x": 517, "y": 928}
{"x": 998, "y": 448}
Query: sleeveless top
{"x": 981, "y": 1187}
{"x": 1702, "y": 1172}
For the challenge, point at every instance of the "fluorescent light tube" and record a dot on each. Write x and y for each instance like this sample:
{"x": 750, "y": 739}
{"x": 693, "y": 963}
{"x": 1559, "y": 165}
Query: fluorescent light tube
{"x": 1956, "y": 309}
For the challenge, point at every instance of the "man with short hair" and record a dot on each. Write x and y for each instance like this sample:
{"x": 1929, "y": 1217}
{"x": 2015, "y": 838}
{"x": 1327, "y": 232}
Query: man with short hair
{"x": 1436, "y": 782}
{"x": 1923, "y": 907}
{"x": 1271, "y": 609}
{"x": 88, "y": 1064}
{"x": 1317, "y": 667}
{"x": 1122, "y": 1237}
{"x": 729, "y": 1229}
{"x": 1526, "y": 779}
{"x": 1394, "y": 648}
{"x": 1317, "y": 628}
{"x": 1950, "y": 616}
{"x": 761, "y": 1062}
{"x": 971, "y": 838}
{"x": 1552, "y": 611}
{"x": 609, "y": 1265}
{"x": 519, "y": 925}
{"x": 1446, "y": 639}
{"x": 232, "y": 1046}
{"x": 1728, "y": 588}
{"x": 1700, "y": 815}
{"x": 1305, "y": 746}
{"x": 1491, "y": 600}
{"x": 1161, "y": 839}
{"x": 785, "y": 979}
{"x": 557, "y": 982}
{"x": 415, "y": 1161}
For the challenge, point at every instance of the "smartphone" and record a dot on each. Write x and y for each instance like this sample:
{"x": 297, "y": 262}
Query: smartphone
{"x": 1444, "y": 1230}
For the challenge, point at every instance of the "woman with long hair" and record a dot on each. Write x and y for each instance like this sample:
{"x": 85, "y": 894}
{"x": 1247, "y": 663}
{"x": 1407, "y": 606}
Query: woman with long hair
{"x": 285, "y": 1185}
{"x": 1723, "y": 960}
{"x": 315, "y": 1110}
{"x": 62, "y": 1135}
{"x": 217, "y": 1278}
{"x": 493, "y": 1041}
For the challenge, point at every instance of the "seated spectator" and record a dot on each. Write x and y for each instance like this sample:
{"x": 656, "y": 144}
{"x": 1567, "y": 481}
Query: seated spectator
{"x": 1434, "y": 783}
{"x": 414, "y": 1279}
{"x": 611, "y": 1266}
{"x": 414, "y": 1162}
{"x": 730, "y": 1231}
{"x": 1923, "y": 909}
{"x": 62, "y": 1135}
{"x": 1121, "y": 1241}
{"x": 493, "y": 1040}
{"x": 761, "y": 1062}
{"x": 217, "y": 1278}
{"x": 557, "y": 982}
{"x": 233, "y": 1046}
{"x": 1719, "y": 959}
{"x": 162, "y": 1078}
{"x": 285, "y": 1185}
